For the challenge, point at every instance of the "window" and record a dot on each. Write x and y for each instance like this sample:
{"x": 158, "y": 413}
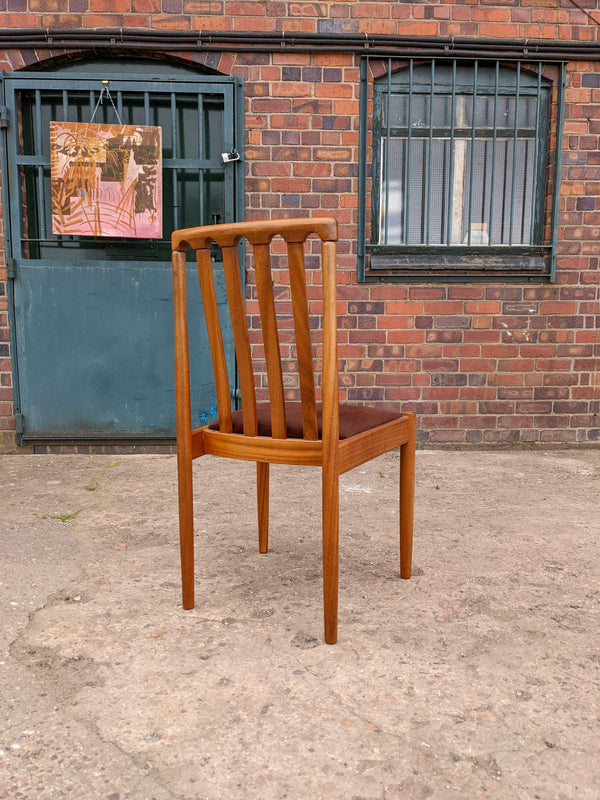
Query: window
{"x": 460, "y": 170}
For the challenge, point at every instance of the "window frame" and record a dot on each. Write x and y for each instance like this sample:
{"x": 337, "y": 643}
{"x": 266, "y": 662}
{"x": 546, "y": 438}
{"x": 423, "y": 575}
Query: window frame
{"x": 464, "y": 261}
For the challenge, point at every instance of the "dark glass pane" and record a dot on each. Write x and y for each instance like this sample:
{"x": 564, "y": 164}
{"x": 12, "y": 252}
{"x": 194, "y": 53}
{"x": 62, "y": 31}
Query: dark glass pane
{"x": 187, "y": 127}
{"x": 213, "y": 127}
{"x": 426, "y": 221}
{"x": 512, "y": 172}
{"x": 484, "y": 103}
{"x": 133, "y": 109}
{"x": 430, "y": 197}
{"x": 214, "y": 197}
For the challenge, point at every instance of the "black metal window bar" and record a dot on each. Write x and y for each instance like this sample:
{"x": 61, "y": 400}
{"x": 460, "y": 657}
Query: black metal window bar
{"x": 460, "y": 157}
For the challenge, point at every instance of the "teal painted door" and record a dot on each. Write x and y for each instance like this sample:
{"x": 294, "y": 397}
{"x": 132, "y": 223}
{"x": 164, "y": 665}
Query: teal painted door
{"x": 92, "y": 317}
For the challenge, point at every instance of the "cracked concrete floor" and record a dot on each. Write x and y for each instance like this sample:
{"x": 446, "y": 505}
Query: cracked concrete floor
{"x": 476, "y": 678}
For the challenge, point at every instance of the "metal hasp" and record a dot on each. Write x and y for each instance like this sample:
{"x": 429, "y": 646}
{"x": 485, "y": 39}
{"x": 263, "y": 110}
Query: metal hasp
{"x": 227, "y": 158}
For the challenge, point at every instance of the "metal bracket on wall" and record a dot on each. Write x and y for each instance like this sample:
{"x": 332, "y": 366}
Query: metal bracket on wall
{"x": 19, "y": 423}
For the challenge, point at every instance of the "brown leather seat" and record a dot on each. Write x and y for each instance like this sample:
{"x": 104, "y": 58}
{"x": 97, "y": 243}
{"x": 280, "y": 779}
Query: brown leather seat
{"x": 353, "y": 420}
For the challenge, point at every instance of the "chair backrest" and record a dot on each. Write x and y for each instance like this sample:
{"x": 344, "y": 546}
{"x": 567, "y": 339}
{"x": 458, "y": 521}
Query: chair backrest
{"x": 294, "y": 233}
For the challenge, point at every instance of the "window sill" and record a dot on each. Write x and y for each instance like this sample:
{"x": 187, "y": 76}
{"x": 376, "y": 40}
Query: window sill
{"x": 395, "y": 263}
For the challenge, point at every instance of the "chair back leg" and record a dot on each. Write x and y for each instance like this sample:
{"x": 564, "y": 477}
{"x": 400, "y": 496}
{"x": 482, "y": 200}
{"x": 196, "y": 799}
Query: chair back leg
{"x": 184, "y": 434}
{"x": 262, "y": 497}
{"x": 407, "y": 498}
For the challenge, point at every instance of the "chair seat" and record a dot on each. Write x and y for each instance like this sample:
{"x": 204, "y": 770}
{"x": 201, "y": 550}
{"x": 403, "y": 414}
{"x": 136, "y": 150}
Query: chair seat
{"x": 353, "y": 420}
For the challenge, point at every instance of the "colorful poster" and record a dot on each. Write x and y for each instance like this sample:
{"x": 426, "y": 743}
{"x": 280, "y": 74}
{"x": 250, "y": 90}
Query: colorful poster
{"x": 106, "y": 180}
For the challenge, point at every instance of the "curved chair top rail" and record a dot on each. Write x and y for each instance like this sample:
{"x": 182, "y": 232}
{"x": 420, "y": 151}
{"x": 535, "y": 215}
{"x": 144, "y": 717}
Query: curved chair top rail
{"x": 258, "y": 232}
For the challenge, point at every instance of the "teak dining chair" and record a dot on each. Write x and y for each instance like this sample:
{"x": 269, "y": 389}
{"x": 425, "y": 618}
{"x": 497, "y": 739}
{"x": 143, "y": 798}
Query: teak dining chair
{"x": 323, "y": 433}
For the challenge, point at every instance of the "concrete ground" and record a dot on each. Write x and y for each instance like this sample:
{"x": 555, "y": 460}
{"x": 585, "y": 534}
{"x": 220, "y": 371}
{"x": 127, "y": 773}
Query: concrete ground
{"x": 478, "y": 678}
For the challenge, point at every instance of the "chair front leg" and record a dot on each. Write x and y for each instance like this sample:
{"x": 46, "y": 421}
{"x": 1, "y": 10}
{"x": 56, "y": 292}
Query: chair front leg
{"x": 186, "y": 525}
{"x": 262, "y": 497}
{"x": 330, "y": 554}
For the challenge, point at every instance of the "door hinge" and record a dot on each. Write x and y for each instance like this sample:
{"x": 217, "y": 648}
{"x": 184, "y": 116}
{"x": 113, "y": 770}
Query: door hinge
{"x": 11, "y": 268}
{"x": 19, "y": 423}
{"x": 4, "y": 116}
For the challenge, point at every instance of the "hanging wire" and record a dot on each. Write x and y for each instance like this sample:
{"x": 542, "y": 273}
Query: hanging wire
{"x": 585, "y": 11}
{"x": 106, "y": 92}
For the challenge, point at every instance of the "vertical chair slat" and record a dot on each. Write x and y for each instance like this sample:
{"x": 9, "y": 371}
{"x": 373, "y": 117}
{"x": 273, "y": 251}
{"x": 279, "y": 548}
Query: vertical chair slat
{"x": 215, "y": 338}
{"x": 268, "y": 320}
{"x": 330, "y": 358}
{"x": 303, "y": 341}
{"x": 241, "y": 340}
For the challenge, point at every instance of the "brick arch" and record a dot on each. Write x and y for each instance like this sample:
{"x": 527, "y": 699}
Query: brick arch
{"x": 207, "y": 63}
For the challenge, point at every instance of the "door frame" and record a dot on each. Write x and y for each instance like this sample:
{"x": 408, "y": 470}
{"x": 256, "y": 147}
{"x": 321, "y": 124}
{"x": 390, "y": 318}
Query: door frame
{"x": 74, "y": 78}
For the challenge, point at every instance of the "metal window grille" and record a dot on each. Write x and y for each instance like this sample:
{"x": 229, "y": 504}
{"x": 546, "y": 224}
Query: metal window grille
{"x": 459, "y": 161}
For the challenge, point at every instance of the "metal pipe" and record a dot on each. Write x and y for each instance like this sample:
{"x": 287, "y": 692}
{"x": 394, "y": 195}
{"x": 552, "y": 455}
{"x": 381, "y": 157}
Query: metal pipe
{"x": 472, "y": 154}
{"x": 535, "y": 157}
{"x": 118, "y": 35}
{"x": 375, "y": 44}
{"x": 39, "y": 150}
{"x": 430, "y": 153}
{"x": 408, "y": 155}
{"x": 174, "y": 155}
{"x": 362, "y": 167}
{"x": 515, "y": 140}
{"x": 494, "y": 143}
{"x": 449, "y": 222}
{"x": 557, "y": 169}
{"x": 386, "y": 164}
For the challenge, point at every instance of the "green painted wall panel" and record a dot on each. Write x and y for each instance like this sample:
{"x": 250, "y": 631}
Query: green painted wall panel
{"x": 97, "y": 351}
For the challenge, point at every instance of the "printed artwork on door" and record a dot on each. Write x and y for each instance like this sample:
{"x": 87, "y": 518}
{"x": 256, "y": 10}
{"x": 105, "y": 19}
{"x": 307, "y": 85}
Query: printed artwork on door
{"x": 106, "y": 180}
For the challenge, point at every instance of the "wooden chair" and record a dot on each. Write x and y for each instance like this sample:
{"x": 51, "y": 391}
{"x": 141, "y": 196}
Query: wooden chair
{"x": 333, "y": 436}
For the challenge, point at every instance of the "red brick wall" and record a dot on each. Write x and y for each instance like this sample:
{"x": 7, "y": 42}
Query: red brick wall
{"x": 481, "y": 363}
